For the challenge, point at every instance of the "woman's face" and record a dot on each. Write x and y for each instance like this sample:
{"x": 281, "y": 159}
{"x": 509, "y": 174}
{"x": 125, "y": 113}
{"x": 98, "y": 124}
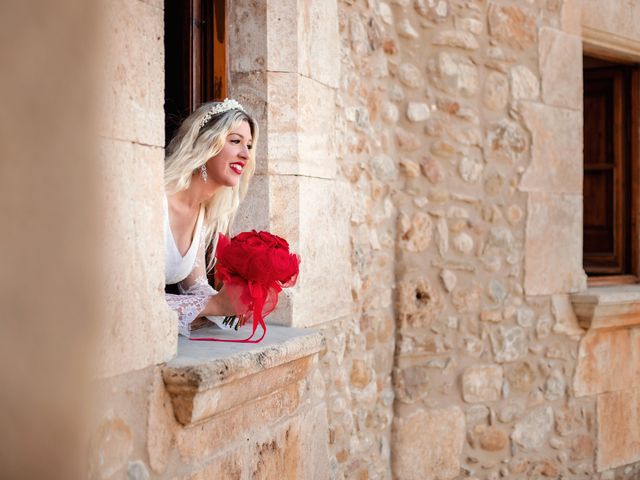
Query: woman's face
{"x": 226, "y": 167}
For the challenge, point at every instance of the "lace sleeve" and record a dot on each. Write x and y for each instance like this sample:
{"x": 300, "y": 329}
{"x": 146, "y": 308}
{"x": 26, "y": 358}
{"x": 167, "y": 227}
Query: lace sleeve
{"x": 195, "y": 292}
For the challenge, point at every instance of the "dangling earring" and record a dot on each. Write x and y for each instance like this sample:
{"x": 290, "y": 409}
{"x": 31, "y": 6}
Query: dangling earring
{"x": 203, "y": 173}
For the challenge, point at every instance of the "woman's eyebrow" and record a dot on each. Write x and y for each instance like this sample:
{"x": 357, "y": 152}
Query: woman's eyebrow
{"x": 239, "y": 134}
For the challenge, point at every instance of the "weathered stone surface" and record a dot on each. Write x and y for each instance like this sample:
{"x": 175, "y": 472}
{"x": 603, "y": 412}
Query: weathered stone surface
{"x": 359, "y": 374}
{"x": 509, "y": 343}
{"x": 412, "y": 383}
{"x": 553, "y": 232}
{"x": 469, "y": 170}
{"x": 560, "y": 68}
{"x": 449, "y": 279}
{"x": 406, "y": 30}
{"x": 566, "y": 321}
{"x": 524, "y": 84}
{"x": 521, "y": 376}
{"x": 554, "y": 387}
{"x": 496, "y": 91}
{"x": 466, "y": 300}
{"x": 227, "y": 466}
{"x": 416, "y": 234}
{"x": 198, "y": 443}
{"x": 437, "y": 455}
{"x": 456, "y": 39}
{"x": 603, "y": 352}
{"x": 463, "y": 243}
{"x": 418, "y": 303}
{"x": 110, "y": 449}
{"x": 432, "y": 170}
{"x": 418, "y": 112}
{"x": 139, "y": 330}
{"x": 482, "y": 383}
{"x": 582, "y": 448}
{"x": 410, "y": 75}
{"x": 298, "y": 108}
{"x": 569, "y": 419}
{"x": 506, "y": 141}
{"x": 137, "y": 471}
{"x": 407, "y": 141}
{"x": 512, "y": 26}
{"x": 456, "y": 74}
{"x": 134, "y": 100}
{"x": 433, "y": 10}
{"x": 614, "y": 24}
{"x": 161, "y": 425}
{"x": 493, "y": 439}
{"x": 618, "y": 429}
{"x": 442, "y": 236}
{"x": 556, "y": 150}
{"x": 531, "y": 432}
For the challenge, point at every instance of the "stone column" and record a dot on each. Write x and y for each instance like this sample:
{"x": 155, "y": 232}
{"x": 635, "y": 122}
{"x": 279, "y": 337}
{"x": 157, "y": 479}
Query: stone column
{"x": 284, "y": 61}
{"x": 140, "y": 329}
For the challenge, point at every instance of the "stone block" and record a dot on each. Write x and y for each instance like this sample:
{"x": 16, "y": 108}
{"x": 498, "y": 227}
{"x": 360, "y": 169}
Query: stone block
{"x": 133, "y": 73}
{"x": 300, "y": 117}
{"x": 248, "y": 36}
{"x": 571, "y": 17}
{"x": 227, "y": 466}
{"x": 602, "y": 352}
{"x": 553, "y": 237}
{"x": 140, "y": 329}
{"x": 617, "y": 24}
{"x": 618, "y": 440}
{"x": 110, "y": 449}
{"x": 313, "y": 214}
{"x": 296, "y": 449}
{"x": 319, "y": 42}
{"x": 161, "y": 425}
{"x": 560, "y": 57}
{"x": 512, "y": 26}
{"x": 556, "y": 150}
{"x": 482, "y": 383}
{"x": 531, "y": 432}
{"x": 200, "y": 442}
{"x": 428, "y": 444}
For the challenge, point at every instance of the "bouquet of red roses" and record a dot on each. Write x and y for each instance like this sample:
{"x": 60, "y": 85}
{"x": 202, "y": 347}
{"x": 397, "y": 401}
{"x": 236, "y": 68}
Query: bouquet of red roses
{"x": 254, "y": 268}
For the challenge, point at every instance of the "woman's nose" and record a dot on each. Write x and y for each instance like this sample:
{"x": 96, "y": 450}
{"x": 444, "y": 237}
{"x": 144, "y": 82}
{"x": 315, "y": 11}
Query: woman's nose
{"x": 244, "y": 152}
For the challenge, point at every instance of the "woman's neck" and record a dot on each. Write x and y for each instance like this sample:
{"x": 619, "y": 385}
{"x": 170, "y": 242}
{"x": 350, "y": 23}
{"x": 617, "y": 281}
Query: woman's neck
{"x": 197, "y": 193}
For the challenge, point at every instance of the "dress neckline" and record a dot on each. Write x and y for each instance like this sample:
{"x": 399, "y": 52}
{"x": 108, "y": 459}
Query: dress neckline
{"x": 195, "y": 239}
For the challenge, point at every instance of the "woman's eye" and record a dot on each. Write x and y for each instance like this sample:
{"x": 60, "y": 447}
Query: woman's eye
{"x": 249, "y": 147}
{"x": 235, "y": 140}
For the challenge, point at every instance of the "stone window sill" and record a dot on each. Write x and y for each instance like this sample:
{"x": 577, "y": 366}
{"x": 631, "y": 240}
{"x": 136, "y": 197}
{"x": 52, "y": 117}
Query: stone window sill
{"x": 608, "y": 307}
{"x": 208, "y": 378}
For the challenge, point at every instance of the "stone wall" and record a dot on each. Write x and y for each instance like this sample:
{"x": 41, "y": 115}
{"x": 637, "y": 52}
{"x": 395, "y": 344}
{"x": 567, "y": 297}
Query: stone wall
{"x": 463, "y": 147}
{"x": 428, "y": 171}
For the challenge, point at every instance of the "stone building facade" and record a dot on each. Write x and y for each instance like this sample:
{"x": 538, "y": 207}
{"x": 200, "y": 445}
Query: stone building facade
{"x": 425, "y": 159}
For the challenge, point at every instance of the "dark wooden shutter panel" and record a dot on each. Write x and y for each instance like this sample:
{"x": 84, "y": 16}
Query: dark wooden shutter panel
{"x": 607, "y": 249}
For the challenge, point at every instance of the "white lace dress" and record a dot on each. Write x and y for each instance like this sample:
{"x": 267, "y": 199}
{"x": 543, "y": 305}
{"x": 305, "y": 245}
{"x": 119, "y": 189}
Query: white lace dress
{"x": 189, "y": 273}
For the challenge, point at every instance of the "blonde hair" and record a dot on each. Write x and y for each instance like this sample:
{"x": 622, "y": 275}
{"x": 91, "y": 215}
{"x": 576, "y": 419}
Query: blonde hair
{"x": 191, "y": 147}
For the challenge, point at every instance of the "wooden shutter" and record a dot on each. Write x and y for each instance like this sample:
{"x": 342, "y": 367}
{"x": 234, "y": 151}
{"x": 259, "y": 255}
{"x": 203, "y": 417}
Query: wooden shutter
{"x": 609, "y": 144}
{"x": 195, "y": 57}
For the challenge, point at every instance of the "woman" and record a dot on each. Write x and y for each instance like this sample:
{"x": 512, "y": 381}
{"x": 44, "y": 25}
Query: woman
{"x": 207, "y": 170}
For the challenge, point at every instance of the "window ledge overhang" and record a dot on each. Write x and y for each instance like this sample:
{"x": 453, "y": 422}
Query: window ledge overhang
{"x": 608, "y": 307}
{"x": 207, "y": 378}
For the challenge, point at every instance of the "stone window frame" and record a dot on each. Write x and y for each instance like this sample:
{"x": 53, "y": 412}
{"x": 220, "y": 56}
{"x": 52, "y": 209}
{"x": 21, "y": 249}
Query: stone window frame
{"x": 616, "y": 305}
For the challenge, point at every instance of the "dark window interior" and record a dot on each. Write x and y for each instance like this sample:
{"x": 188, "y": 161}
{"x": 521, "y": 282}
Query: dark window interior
{"x": 195, "y": 57}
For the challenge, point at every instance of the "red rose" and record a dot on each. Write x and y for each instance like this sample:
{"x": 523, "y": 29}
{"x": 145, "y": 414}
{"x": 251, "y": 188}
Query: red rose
{"x": 255, "y": 266}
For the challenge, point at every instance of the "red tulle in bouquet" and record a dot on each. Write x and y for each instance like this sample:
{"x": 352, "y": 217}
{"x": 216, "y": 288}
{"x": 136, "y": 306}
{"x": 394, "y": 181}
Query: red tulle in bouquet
{"x": 254, "y": 268}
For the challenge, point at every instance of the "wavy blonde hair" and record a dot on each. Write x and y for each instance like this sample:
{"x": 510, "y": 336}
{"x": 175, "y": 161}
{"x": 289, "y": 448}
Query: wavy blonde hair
{"x": 191, "y": 147}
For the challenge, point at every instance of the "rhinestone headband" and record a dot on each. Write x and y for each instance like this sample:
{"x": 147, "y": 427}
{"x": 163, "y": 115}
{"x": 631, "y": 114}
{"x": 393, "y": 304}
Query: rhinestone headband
{"x": 228, "y": 104}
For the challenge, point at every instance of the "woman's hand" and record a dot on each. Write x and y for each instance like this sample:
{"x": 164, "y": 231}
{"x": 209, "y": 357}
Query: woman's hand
{"x": 219, "y": 305}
